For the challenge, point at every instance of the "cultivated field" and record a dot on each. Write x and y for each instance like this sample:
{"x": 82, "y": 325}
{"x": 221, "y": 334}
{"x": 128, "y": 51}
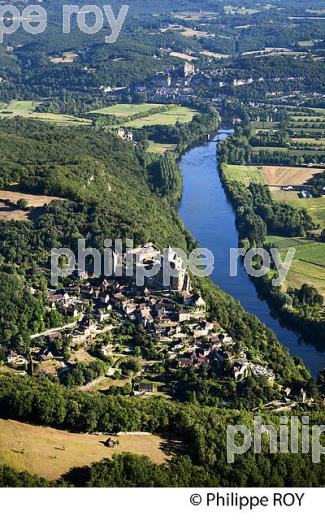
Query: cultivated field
{"x": 215, "y": 55}
{"x": 271, "y": 149}
{"x": 273, "y": 51}
{"x": 244, "y": 174}
{"x": 318, "y": 110}
{"x": 172, "y": 27}
{"x": 160, "y": 148}
{"x": 27, "y": 109}
{"x": 264, "y": 125}
{"x": 195, "y": 16}
{"x": 230, "y": 9}
{"x": 309, "y": 140}
{"x": 58, "y": 119}
{"x": 51, "y": 453}
{"x": 21, "y": 106}
{"x": 308, "y": 265}
{"x": 192, "y": 33}
{"x": 182, "y": 56}
{"x": 170, "y": 117}
{"x": 67, "y": 57}
{"x": 284, "y": 176}
{"x": 308, "y": 132}
{"x": 125, "y": 110}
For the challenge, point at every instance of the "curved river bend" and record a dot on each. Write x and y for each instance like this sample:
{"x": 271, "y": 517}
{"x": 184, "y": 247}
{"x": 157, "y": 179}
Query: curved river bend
{"x": 208, "y": 214}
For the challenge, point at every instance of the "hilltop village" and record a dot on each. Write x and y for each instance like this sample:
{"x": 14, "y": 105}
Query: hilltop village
{"x": 168, "y": 324}
{"x": 186, "y": 84}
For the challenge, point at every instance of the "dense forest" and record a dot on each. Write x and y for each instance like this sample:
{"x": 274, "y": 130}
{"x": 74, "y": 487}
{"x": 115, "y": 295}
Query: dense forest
{"x": 113, "y": 198}
{"x": 201, "y": 428}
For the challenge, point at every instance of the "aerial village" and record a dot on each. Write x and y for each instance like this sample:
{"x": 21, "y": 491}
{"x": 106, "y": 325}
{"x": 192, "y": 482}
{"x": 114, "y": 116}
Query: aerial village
{"x": 97, "y": 310}
{"x": 184, "y": 84}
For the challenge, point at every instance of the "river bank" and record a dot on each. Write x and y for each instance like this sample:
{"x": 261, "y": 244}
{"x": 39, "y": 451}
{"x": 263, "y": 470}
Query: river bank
{"x": 311, "y": 328}
{"x": 208, "y": 214}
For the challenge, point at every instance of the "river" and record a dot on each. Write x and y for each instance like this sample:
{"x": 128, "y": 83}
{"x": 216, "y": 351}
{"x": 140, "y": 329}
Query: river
{"x": 208, "y": 214}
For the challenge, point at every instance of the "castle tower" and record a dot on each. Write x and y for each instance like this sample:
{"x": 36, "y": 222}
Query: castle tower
{"x": 189, "y": 69}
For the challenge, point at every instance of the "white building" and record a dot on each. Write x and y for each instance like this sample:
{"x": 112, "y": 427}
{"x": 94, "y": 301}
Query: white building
{"x": 127, "y": 135}
{"x": 189, "y": 69}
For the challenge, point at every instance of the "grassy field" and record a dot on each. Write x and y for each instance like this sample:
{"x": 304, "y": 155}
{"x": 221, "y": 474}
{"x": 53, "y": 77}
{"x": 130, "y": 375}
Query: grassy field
{"x": 11, "y": 213}
{"x": 256, "y": 149}
{"x": 309, "y": 140}
{"x": 306, "y": 131}
{"x": 58, "y": 119}
{"x": 193, "y": 33}
{"x": 194, "y": 16}
{"x": 308, "y": 265}
{"x": 244, "y": 174}
{"x": 182, "y": 56}
{"x": 160, "y": 148}
{"x": 172, "y": 27}
{"x": 67, "y": 57}
{"x": 320, "y": 111}
{"x": 81, "y": 356}
{"x": 272, "y": 51}
{"x": 170, "y": 117}
{"x": 306, "y": 43}
{"x": 27, "y": 109}
{"x": 229, "y": 9}
{"x": 300, "y": 124}
{"x": 215, "y": 55}
{"x": 284, "y": 196}
{"x": 264, "y": 125}
{"x": 125, "y": 110}
{"x": 22, "y": 106}
{"x": 8, "y": 212}
{"x": 286, "y": 175}
{"x": 35, "y": 201}
{"x": 295, "y": 111}
{"x": 315, "y": 207}
{"x": 50, "y": 453}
